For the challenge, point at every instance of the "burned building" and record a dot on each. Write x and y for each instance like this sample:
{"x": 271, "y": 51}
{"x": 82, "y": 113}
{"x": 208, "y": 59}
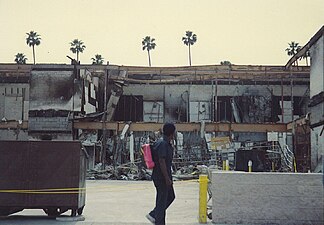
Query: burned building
{"x": 315, "y": 113}
{"x": 242, "y": 104}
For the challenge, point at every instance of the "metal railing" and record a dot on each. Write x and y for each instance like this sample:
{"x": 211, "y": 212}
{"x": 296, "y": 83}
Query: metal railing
{"x": 287, "y": 157}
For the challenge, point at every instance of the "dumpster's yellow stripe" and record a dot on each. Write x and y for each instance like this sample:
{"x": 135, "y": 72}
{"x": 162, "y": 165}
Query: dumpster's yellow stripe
{"x": 45, "y": 192}
{"x": 38, "y": 190}
{"x": 105, "y": 188}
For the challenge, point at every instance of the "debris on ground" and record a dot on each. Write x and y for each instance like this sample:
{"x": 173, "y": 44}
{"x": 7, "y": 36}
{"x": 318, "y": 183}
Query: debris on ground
{"x": 138, "y": 172}
{"x": 120, "y": 172}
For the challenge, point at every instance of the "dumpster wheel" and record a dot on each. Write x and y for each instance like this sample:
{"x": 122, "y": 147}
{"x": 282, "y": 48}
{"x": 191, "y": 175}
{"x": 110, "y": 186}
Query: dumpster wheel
{"x": 80, "y": 210}
{"x": 53, "y": 212}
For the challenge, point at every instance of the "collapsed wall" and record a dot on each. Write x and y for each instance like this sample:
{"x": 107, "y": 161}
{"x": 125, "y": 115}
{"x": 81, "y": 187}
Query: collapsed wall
{"x": 53, "y": 98}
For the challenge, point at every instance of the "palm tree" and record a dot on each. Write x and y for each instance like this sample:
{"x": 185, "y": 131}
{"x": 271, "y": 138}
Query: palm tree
{"x": 33, "y": 39}
{"x": 294, "y": 47}
{"x": 20, "y": 58}
{"x": 189, "y": 39}
{"x": 225, "y": 63}
{"x": 97, "y": 60}
{"x": 148, "y": 44}
{"x": 77, "y": 46}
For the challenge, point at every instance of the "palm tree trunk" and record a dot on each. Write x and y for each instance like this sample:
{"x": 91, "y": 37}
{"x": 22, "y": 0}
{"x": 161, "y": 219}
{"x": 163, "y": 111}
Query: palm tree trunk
{"x": 77, "y": 57}
{"x": 189, "y": 55}
{"x": 34, "y": 54}
{"x": 149, "y": 57}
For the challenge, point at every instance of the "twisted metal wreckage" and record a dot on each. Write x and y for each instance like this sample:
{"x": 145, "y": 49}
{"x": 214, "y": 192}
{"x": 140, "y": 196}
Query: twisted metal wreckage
{"x": 221, "y": 113}
{"x": 198, "y": 143}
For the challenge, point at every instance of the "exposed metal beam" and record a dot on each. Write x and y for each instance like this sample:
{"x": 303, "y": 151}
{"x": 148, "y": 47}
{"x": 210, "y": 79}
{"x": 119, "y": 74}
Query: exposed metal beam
{"x": 234, "y": 71}
{"x": 119, "y": 126}
{"x": 14, "y": 125}
{"x": 297, "y": 122}
{"x": 209, "y": 127}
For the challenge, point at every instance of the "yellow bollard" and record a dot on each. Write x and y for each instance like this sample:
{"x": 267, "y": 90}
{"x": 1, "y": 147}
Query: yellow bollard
{"x": 203, "y": 182}
{"x": 224, "y": 164}
{"x": 273, "y": 166}
{"x": 227, "y": 165}
{"x": 250, "y": 166}
{"x": 295, "y": 165}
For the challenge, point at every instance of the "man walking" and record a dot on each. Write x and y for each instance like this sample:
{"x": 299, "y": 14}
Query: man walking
{"x": 161, "y": 176}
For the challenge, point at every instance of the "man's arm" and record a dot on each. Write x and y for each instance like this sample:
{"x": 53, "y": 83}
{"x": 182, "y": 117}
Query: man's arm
{"x": 164, "y": 171}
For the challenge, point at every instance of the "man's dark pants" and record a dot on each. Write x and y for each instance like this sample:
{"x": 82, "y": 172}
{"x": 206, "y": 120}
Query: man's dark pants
{"x": 164, "y": 197}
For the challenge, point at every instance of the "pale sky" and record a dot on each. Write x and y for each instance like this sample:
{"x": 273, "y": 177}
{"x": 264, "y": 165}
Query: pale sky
{"x": 249, "y": 32}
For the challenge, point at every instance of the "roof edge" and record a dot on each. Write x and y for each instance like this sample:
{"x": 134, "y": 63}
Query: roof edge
{"x": 306, "y": 47}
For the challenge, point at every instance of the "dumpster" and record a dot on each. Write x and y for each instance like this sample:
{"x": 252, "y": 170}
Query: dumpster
{"x": 48, "y": 175}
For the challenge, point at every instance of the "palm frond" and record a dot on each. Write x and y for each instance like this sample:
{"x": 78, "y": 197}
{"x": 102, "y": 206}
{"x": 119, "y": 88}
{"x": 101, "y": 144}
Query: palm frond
{"x": 190, "y": 38}
{"x": 20, "y": 58}
{"x": 33, "y": 38}
{"x": 293, "y": 48}
{"x": 148, "y": 43}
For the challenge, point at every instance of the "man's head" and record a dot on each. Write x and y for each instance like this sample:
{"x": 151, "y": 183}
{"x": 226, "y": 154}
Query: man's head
{"x": 168, "y": 129}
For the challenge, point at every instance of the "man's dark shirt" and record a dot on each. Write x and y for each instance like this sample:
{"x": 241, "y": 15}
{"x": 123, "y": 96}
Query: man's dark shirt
{"x": 162, "y": 149}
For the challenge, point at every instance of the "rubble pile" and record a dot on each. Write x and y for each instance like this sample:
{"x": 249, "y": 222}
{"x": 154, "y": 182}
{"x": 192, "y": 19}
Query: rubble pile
{"x": 120, "y": 172}
{"x": 138, "y": 172}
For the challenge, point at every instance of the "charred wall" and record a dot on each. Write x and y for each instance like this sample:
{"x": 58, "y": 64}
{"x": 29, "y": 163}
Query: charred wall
{"x": 54, "y": 95}
{"x": 253, "y": 103}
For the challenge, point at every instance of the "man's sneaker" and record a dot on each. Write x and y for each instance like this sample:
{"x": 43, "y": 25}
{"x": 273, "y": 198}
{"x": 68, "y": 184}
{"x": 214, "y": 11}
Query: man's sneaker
{"x": 150, "y": 218}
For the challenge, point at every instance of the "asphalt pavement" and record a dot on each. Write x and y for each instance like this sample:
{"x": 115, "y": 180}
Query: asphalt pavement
{"x": 120, "y": 202}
